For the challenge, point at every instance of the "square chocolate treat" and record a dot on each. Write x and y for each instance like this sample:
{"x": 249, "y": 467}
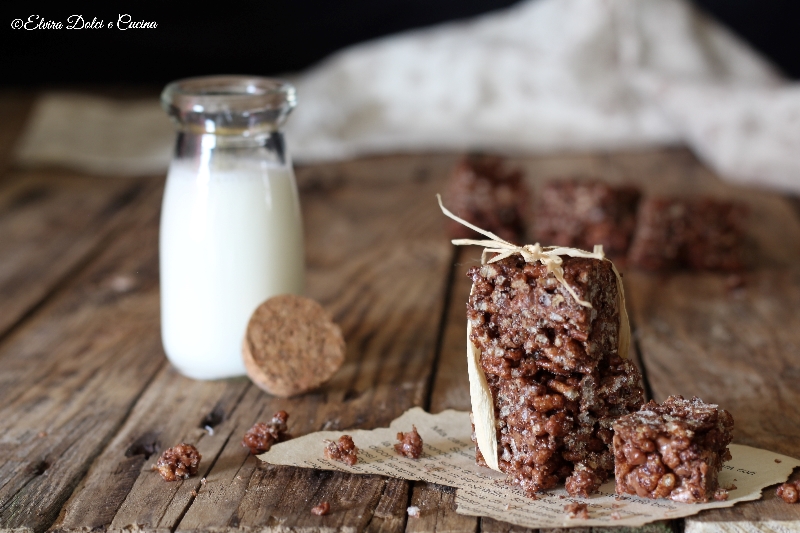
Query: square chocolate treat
{"x": 484, "y": 193}
{"x": 699, "y": 234}
{"x": 580, "y": 214}
{"x": 552, "y": 365}
{"x": 673, "y": 450}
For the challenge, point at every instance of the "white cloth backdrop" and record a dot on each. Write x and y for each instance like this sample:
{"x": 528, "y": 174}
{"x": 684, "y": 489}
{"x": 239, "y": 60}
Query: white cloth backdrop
{"x": 547, "y": 75}
{"x": 559, "y": 74}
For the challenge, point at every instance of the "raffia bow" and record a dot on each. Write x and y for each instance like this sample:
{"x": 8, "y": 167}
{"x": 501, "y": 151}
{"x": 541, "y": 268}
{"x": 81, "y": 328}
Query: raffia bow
{"x": 549, "y": 256}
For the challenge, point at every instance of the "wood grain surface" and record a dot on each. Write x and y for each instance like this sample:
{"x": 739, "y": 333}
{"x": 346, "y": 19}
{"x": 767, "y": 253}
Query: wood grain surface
{"x": 72, "y": 372}
{"x": 88, "y": 401}
{"x": 50, "y": 226}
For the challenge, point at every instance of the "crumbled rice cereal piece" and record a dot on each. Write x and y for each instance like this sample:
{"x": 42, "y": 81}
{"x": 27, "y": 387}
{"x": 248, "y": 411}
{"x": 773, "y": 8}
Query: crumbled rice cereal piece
{"x": 322, "y": 509}
{"x": 178, "y": 462}
{"x": 789, "y": 492}
{"x": 344, "y": 450}
{"x": 410, "y": 444}
{"x": 577, "y": 510}
{"x": 261, "y": 436}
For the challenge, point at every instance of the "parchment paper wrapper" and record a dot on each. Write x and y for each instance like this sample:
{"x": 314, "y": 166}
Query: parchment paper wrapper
{"x": 449, "y": 459}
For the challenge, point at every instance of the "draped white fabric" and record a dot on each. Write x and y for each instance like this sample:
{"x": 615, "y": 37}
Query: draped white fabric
{"x": 549, "y": 75}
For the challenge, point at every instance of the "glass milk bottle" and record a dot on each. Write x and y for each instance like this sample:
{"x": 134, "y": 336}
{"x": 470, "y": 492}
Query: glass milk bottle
{"x": 231, "y": 233}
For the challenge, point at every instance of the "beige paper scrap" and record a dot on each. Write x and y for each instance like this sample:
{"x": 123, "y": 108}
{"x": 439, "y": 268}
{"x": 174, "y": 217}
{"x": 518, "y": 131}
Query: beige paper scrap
{"x": 97, "y": 135}
{"x": 449, "y": 459}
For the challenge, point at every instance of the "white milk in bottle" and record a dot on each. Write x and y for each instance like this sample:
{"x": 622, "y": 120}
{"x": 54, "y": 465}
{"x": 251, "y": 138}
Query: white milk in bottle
{"x": 230, "y": 239}
{"x": 231, "y": 232}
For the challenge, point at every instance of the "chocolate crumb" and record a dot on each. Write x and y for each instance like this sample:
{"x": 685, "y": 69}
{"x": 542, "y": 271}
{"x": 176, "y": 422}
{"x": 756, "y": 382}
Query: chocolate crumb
{"x": 344, "y": 450}
{"x": 261, "y": 436}
{"x": 577, "y": 510}
{"x": 178, "y": 462}
{"x": 778, "y": 461}
{"x": 789, "y": 492}
{"x": 194, "y": 493}
{"x": 410, "y": 444}
{"x": 322, "y": 509}
{"x": 720, "y": 494}
{"x": 582, "y": 483}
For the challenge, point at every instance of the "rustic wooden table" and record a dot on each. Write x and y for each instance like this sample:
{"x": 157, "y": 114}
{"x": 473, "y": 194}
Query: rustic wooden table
{"x": 88, "y": 401}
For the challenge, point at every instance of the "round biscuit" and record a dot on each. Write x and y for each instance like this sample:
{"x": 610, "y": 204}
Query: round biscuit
{"x": 291, "y": 345}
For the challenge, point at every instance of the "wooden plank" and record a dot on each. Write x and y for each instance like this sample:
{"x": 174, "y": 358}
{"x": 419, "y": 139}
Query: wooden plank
{"x": 490, "y": 525}
{"x": 450, "y": 390}
{"x": 174, "y": 409}
{"x": 72, "y": 372}
{"x": 437, "y": 510}
{"x": 451, "y": 386}
{"x": 49, "y": 224}
{"x": 390, "y": 513}
{"x": 377, "y": 258}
